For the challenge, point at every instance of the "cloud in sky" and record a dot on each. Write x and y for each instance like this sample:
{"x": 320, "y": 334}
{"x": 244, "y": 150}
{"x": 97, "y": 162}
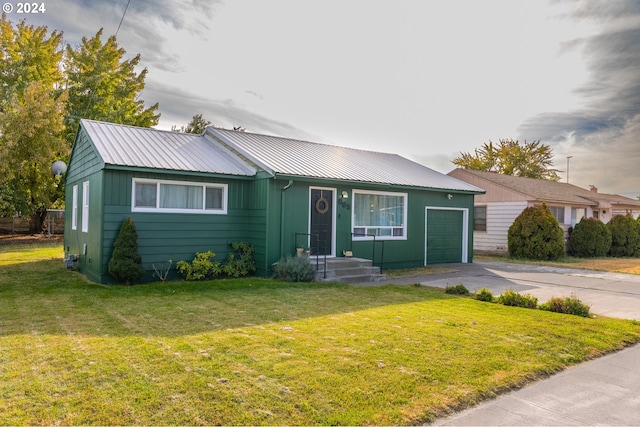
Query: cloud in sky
{"x": 424, "y": 79}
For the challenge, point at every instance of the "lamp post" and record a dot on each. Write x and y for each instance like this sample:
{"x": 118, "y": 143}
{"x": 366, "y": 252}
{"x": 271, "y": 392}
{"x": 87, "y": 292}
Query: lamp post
{"x": 568, "y": 157}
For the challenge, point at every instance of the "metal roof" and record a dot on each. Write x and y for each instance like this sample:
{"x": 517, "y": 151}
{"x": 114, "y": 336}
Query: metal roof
{"x": 155, "y": 149}
{"x": 292, "y": 157}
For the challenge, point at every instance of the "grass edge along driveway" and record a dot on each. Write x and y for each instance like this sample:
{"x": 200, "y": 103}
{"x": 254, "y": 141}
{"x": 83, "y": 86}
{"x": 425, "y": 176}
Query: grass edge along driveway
{"x": 256, "y": 351}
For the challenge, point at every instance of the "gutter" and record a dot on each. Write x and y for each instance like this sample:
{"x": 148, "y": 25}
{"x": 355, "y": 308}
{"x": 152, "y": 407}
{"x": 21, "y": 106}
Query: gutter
{"x": 282, "y": 219}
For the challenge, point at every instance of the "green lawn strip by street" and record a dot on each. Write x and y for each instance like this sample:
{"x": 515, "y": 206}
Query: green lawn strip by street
{"x": 256, "y": 351}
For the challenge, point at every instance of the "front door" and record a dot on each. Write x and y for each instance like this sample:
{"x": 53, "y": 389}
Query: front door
{"x": 321, "y": 223}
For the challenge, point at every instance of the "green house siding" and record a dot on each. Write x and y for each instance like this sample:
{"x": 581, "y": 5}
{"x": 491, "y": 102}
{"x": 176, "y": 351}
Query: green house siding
{"x": 178, "y": 236}
{"x": 270, "y": 211}
{"x": 294, "y": 204}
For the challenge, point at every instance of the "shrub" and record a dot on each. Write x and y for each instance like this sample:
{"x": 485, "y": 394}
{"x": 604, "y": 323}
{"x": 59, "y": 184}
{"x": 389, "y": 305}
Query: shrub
{"x": 240, "y": 263}
{"x": 625, "y": 236}
{"x": 483, "y": 294}
{"x": 536, "y": 234}
{"x": 294, "y": 269}
{"x": 568, "y": 305}
{"x": 125, "y": 264}
{"x": 590, "y": 238}
{"x": 201, "y": 267}
{"x": 514, "y": 299}
{"x": 458, "y": 289}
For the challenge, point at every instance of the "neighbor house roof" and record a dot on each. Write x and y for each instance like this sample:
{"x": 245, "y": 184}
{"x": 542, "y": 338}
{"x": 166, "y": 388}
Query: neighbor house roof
{"x": 541, "y": 190}
{"x": 292, "y": 157}
{"x": 122, "y": 145}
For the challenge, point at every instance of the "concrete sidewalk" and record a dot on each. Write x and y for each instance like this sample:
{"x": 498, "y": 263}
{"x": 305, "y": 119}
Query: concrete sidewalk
{"x": 604, "y": 391}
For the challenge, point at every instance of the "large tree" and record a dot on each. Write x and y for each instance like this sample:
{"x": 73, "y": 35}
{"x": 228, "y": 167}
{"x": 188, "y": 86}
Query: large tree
{"x": 31, "y": 119}
{"x": 45, "y": 90}
{"x": 510, "y": 157}
{"x": 31, "y": 140}
{"x": 103, "y": 86}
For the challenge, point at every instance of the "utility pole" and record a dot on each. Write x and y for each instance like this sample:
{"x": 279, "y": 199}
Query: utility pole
{"x": 568, "y": 157}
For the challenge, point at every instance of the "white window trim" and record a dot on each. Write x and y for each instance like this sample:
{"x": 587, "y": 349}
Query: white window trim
{"x": 380, "y": 193}
{"x": 85, "y": 207}
{"x": 74, "y": 208}
{"x": 203, "y": 185}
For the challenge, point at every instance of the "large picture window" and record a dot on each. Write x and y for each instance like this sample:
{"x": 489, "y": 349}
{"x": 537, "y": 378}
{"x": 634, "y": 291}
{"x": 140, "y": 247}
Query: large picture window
{"x": 379, "y": 214}
{"x": 178, "y": 197}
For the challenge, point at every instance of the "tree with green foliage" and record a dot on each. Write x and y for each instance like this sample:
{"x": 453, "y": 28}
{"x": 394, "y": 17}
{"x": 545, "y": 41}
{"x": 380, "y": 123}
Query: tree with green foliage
{"x": 103, "y": 86}
{"x": 31, "y": 140}
{"x": 536, "y": 234}
{"x": 43, "y": 95}
{"x": 125, "y": 264}
{"x": 197, "y": 125}
{"x": 31, "y": 126}
{"x": 625, "y": 236}
{"x": 590, "y": 238}
{"x": 510, "y": 157}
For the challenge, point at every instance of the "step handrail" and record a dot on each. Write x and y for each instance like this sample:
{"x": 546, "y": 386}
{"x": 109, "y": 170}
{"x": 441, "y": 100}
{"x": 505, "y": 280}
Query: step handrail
{"x": 324, "y": 250}
{"x": 373, "y": 254}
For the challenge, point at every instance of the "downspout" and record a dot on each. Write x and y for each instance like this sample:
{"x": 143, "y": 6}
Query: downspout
{"x": 282, "y": 219}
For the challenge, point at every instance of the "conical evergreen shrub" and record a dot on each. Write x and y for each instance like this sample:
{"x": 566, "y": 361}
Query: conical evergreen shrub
{"x": 590, "y": 238}
{"x": 126, "y": 264}
{"x": 625, "y": 236}
{"x": 536, "y": 234}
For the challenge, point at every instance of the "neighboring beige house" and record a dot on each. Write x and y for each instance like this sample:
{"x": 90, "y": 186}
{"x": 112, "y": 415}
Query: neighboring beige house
{"x": 507, "y": 196}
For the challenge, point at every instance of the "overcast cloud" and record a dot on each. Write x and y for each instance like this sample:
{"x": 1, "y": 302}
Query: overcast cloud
{"x": 424, "y": 79}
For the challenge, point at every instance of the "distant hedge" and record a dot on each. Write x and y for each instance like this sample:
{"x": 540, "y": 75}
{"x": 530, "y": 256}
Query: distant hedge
{"x": 590, "y": 238}
{"x": 536, "y": 234}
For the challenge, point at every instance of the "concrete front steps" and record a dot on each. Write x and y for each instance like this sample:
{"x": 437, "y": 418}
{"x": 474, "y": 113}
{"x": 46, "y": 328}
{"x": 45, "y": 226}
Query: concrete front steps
{"x": 348, "y": 270}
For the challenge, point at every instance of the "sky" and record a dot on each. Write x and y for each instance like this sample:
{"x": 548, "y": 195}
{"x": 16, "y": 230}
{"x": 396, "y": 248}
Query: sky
{"x": 426, "y": 79}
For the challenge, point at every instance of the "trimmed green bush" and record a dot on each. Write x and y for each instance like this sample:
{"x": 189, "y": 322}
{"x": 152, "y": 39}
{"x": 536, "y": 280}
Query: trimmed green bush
{"x": 568, "y": 305}
{"x": 203, "y": 266}
{"x": 625, "y": 236}
{"x": 483, "y": 294}
{"x": 536, "y": 234}
{"x": 514, "y": 299}
{"x": 590, "y": 238}
{"x": 458, "y": 289}
{"x": 294, "y": 269}
{"x": 125, "y": 264}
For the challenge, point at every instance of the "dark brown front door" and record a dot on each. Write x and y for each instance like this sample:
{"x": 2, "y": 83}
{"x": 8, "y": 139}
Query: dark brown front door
{"x": 321, "y": 222}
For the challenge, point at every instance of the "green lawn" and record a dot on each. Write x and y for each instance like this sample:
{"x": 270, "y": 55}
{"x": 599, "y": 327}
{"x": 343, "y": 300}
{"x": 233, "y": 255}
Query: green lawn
{"x": 255, "y": 351}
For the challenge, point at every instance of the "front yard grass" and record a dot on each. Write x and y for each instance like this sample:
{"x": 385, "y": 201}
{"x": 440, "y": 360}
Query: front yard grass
{"x": 257, "y": 351}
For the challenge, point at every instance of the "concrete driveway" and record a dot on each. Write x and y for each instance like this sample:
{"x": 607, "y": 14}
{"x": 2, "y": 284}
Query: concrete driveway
{"x": 605, "y": 391}
{"x": 608, "y": 294}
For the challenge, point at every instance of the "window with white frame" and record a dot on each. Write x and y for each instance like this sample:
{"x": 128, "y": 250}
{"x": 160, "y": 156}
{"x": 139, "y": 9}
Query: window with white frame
{"x": 74, "y": 208}
{"x": 558, "y": 212}
{"x": 380, "y": 214}
{"x": 85, "y": 206}
{"x": 178, "y": 197}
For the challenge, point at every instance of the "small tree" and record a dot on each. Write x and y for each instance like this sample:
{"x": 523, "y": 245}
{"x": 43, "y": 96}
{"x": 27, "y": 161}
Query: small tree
{"x": 536, "y": 234}
{"x": 590, "y": 238}
{"x": 126, "y": 264}
{"x": 625, "y": 236}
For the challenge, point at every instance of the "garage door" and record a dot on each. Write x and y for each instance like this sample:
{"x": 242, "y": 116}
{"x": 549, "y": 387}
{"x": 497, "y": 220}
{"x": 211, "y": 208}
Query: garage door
{"x": 445, "y": 235}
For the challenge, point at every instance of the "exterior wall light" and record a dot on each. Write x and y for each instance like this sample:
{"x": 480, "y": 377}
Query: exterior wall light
{"x": 345, "y": 195}
{"x": 449, "y": 196}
